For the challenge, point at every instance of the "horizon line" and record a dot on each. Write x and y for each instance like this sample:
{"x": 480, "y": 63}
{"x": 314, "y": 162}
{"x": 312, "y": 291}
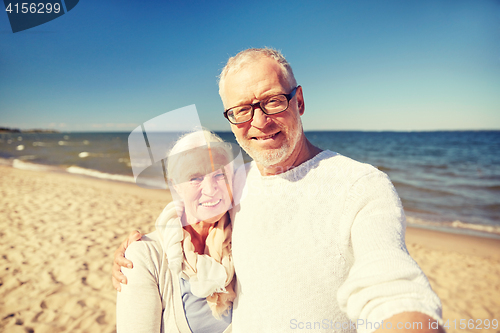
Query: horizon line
{"x": 55, "y": 131}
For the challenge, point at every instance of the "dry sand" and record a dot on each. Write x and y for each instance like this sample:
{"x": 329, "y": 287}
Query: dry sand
{"x": 58, "y": 233}
{"x": 57, "y": 236}
{"x": 465, "y": 273}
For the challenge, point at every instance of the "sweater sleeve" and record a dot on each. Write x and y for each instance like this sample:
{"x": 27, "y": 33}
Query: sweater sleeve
{"x": 138, "y": 305}
{"x": 384, "y": 280}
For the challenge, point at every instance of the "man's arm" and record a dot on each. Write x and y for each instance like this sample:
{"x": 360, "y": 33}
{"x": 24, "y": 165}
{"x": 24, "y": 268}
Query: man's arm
{"x": 121, "y": 261}
{"x": 384, "y": 279}
{"x": 139, "y": 304}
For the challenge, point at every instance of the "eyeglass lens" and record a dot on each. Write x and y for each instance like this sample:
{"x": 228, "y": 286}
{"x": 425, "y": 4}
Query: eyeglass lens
{"x": 272, "y": 105}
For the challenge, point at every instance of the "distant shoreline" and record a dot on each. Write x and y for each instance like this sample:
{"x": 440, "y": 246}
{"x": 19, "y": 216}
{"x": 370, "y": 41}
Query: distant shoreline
{"x": 17, "y": 130}
{"x": 312, "y": 131}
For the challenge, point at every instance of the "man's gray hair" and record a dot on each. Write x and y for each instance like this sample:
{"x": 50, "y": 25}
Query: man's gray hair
{"x": 234, "y": 64}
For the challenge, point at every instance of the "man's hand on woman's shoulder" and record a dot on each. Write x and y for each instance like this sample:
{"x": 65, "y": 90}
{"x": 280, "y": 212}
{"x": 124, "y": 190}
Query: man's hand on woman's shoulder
{"x": 120, "y": 260}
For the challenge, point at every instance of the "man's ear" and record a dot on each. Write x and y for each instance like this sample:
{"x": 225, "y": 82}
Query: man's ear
{"x": 300, "y": 100}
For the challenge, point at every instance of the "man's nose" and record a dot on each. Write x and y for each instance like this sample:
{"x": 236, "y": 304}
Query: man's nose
{"x": 209, "y": 186}
{"x": 259, "y": 117}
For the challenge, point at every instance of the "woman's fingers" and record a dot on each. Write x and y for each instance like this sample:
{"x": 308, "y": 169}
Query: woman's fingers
{"x": 117, "y": 277}
{"x": 121, "y": 261}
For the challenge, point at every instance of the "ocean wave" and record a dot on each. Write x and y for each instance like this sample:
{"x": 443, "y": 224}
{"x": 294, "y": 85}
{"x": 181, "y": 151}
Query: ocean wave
{"x": 26, "y": 157}
{"x": 456, "y": 225}
{"x": 84, "y": 154}
{"x": 413, "y": 187}
{"x": 99, "y": 174}
{"x": 126, "y": 161}
{"x": 22, "y": 165}
{"x": 73, "y": 143}
{"x": 384, "y": 168}
{"x": 145, "y": 182}
{"x": 479, "y": 227}
{"x": 436, "y": 166}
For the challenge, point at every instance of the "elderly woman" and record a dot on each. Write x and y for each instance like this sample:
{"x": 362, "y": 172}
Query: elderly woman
{"x": 183, "y": 276}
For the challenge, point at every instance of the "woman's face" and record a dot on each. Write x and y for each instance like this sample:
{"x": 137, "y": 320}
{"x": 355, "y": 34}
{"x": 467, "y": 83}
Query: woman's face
{"x": 205, "y": 191}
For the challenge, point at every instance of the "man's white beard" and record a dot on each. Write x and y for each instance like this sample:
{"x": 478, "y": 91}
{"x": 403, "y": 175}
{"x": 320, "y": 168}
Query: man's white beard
{"x": 270, "y": 157}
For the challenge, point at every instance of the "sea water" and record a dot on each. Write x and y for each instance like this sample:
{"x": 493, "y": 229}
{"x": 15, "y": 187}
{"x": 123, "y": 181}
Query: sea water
{"x": 449, "y": 178}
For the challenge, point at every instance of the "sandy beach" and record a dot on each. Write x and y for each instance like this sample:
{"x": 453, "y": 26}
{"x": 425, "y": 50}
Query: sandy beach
{"x": 58, "y": 233}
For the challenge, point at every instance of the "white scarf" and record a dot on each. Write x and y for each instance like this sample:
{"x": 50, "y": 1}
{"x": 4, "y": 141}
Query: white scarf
{"x": 211, "y": 275}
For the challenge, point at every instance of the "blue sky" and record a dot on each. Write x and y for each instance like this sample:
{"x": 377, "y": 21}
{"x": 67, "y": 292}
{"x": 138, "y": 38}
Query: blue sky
{"x": 363, "y": 65}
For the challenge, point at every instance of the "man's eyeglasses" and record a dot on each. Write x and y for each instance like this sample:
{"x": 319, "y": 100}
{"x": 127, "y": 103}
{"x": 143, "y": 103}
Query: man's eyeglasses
{"x": 271, "y": 105}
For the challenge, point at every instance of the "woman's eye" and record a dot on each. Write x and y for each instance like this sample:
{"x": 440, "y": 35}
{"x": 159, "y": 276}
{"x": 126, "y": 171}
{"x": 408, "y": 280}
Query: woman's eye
{"x": 196, "y": 180}
{"x": 219, "y": 176}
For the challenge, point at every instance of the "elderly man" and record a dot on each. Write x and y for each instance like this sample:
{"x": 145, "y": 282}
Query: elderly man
{"x": 318, "y": 241}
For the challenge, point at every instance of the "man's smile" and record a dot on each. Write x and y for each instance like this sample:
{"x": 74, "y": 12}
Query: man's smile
{"x": 265, "y": 137}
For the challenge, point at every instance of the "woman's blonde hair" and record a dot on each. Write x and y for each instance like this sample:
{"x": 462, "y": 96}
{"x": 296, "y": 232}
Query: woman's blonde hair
{"x": 197, "y": 142}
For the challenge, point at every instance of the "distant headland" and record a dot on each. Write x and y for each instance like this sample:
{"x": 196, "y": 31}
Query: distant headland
{"x": 17, "y": 130}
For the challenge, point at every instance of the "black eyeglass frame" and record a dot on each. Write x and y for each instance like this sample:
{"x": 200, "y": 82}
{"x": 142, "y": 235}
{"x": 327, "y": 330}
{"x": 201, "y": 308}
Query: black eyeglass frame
{"x": 288, "y": 98}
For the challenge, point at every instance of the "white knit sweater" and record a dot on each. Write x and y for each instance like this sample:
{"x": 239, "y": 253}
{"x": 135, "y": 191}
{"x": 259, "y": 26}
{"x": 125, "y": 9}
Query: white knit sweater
{"x": 322, "y": 244}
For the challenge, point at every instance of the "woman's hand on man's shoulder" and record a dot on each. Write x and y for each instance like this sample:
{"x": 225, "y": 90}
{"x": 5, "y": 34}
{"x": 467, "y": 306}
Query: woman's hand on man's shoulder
{"x": 119, "y": 261}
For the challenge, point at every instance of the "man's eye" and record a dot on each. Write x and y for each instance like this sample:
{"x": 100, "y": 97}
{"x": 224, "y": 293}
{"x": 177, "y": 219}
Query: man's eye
{"x": 273, "y": 102}
{"x": 242, "y": 110}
